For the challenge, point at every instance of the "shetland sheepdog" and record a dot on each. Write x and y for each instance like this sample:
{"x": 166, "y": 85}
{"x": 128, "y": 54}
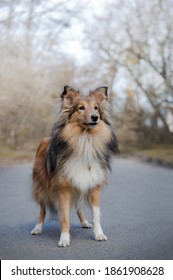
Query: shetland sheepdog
{"x": 72, "y": 164}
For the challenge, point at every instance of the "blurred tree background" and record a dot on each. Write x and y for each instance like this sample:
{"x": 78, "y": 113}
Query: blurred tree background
{"x": 125, "y": 44}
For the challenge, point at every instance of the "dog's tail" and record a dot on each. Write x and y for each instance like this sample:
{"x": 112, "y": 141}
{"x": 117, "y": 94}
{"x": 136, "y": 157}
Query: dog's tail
{"x": 40, "y": 171}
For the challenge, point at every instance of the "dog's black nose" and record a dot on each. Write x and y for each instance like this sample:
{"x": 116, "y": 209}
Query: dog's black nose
{"x": 94, "y": 118}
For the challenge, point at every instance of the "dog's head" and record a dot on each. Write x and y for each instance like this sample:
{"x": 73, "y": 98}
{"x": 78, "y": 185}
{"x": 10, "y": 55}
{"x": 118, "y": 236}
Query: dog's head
{"x": 85, "y": 110}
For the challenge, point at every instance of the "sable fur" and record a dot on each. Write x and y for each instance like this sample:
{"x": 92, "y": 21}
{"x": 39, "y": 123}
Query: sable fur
{"x": 73, "y": 162}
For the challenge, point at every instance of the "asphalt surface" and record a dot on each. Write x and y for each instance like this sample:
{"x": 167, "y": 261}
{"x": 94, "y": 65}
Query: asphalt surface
{"x": 137, "y": 217}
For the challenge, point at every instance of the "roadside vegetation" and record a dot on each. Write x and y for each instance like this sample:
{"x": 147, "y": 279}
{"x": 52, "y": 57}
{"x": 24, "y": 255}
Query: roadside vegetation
{"x": 159, "y": 154}
{"x": 48, "y": 44}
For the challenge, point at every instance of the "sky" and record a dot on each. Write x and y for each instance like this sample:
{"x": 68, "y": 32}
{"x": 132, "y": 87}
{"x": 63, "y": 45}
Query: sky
{"x": 74, "y": 35}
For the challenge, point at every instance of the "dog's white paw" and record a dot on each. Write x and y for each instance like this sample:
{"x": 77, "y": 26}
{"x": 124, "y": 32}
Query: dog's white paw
{"x": 64, "y": 239}
{"x": 100, "y": 237}
{"x": 37, "y": 229}
{"x": 86, "y": 224}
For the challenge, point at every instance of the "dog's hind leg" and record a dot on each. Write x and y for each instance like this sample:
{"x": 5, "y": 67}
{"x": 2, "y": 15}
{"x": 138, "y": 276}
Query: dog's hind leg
{"x": 83, "y": 220}
{"x": 81, "y": 216}
{"x": 38, "y": 228}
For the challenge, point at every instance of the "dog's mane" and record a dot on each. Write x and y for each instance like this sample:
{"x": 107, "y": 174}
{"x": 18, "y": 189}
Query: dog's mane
{"x": 59, "y": 146}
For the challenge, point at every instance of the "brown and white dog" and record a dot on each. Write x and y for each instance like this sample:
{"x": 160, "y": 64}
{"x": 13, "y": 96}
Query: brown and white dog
{"x": 72, "y": 164}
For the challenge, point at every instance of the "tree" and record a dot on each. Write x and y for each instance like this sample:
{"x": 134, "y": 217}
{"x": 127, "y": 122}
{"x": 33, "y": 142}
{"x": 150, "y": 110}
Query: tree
{"x": 136, "y": 38}
{"x": 33, "y": 69}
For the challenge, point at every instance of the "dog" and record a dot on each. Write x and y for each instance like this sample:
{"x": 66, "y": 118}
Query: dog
{"x": 72, "y": 164}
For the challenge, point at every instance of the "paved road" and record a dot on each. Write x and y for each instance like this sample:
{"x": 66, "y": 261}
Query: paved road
{"x": 137, "y": 217}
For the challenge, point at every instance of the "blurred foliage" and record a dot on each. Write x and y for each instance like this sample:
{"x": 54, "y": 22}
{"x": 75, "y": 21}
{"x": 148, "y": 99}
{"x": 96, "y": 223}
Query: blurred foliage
{"x": 158, "y": 154}
{"x": 127, "y": 45}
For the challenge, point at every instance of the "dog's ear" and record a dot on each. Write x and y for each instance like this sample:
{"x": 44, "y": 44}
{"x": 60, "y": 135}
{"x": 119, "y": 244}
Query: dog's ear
{"x": 100, "y": 94}
{"x": 69, "y": 96}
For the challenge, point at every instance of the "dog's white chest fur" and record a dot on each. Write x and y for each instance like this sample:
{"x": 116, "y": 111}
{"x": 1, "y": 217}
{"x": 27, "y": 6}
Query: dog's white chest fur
{"x": 83, "y": 169}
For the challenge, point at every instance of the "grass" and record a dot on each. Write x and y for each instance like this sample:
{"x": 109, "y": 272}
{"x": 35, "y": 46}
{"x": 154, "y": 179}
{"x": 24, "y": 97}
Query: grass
{"x": 10, "y": 155}
{"x": 160, "y": 153}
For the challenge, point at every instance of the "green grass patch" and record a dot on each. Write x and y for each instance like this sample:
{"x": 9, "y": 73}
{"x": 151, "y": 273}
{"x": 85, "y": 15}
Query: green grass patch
{"x": 155, "y": 152}
{"x": 160, "y": 152}
{"x": 10, "y": 155}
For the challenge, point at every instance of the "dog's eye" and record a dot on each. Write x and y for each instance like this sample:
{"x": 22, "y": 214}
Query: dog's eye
{"x": 81, "y": 108}
{"x": 96, "y": 107}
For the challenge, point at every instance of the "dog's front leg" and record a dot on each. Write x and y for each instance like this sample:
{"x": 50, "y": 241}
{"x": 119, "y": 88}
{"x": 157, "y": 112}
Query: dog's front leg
{"x": 64, "y": 207}
{"x": 94, "y": 200}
